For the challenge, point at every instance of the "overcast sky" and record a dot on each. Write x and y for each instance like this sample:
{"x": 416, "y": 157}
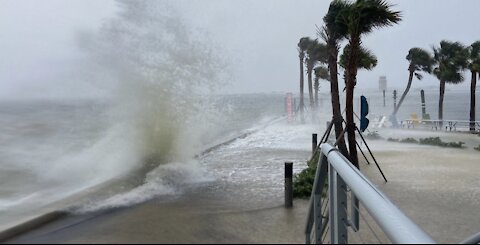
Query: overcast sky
{"x": 39, "y": 52}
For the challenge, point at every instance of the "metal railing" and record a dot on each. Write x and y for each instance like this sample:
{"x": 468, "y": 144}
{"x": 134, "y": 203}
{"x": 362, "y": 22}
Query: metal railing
{"x": 343, "y": 176}
{"x": 437, "y": 124}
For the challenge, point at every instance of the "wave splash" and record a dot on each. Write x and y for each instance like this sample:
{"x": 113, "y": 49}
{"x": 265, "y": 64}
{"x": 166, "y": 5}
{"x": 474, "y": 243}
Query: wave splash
{"x": 160, "y": 72}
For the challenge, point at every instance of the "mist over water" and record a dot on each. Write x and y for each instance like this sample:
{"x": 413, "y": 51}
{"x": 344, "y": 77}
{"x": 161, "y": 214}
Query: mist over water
{"x": 159, "y": 73}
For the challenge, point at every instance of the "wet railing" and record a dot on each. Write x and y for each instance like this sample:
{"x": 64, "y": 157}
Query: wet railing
{"x": 339, "y": 184}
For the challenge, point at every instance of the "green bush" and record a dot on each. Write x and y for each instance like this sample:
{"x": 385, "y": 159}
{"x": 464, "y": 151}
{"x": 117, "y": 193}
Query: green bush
{"x": 436, "y": 141}
{"x": 373, "y": 136}
{"x": 409, "y": 140}
{"x": 393, "y": 140}
{"x": 477, "y": 148}
{"x": 303, "y": 181}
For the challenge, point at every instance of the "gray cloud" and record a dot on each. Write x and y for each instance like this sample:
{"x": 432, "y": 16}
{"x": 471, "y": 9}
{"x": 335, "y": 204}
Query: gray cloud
{"x": 37, "y": 39}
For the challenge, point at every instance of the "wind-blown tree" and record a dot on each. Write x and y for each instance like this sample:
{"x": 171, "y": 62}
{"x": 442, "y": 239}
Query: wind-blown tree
{"x": 451, "y": 59}
{"x": 302, "y": 48}
{"x": 420, "y": 61}
{"x": 474, "y": 67}
{"x": 316, "y": 52}
{"x": 361, "y": 18}
{"x": 366, "y": 60}
{"x": 333, "y": 33}
{"x": 321, "y": 72}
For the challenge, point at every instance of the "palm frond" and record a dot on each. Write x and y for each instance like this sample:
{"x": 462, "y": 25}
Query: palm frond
{"x": 363, "y": 16}
{"x": 304, "y": 43}
{"x": 321, "y": 72}
{"x": 474, "y": 57}
{"x": 419, "y": 76}
{"x": 366, "y": 59}
{"x": 451, "y": 58}
{"x": 420, "y": 60}
{"x": 335, "y": 29}
{"x": 317, "y": 52}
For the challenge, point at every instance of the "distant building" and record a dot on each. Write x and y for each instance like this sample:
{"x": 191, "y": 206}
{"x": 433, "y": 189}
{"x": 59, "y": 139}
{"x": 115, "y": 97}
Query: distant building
{"x": 382, "y": 83}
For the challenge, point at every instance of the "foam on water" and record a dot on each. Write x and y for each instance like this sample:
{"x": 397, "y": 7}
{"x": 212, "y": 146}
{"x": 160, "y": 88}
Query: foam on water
{"x": 166, "y": 179}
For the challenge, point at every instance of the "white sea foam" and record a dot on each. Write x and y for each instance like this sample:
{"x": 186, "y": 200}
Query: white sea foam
{"x": 167, "y": 179}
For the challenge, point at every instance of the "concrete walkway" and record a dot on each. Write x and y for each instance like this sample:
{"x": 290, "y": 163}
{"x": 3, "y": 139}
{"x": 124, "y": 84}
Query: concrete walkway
{"x": 438, "y": 188}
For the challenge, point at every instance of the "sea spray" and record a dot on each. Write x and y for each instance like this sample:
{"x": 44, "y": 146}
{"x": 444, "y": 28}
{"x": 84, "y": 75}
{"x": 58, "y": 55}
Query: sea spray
{"x": 162, "y": 73}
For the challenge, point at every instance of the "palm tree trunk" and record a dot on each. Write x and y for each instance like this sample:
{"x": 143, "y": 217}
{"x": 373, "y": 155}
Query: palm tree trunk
{"x": 351, "y": 77}
{"x": 335, "y": 96}
{"x": 316, "y": 85}
{"x": 410, "y": 78}
{"x": 302, "y": 117}
{"x": 473, "y": 87}
{"x": 440, "y": 102}
{"x": 310, "y": 84}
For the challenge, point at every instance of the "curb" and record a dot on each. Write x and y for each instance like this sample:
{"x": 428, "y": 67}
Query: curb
{"x": 31, "y": 225}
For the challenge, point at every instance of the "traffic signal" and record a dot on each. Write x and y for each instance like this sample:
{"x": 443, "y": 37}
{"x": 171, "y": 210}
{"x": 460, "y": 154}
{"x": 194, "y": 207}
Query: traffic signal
{"x": 363, "y": 113}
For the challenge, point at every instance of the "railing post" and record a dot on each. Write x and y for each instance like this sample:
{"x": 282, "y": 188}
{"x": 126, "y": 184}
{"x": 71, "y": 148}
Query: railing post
{"x": 289, "y": 184}
{"x": 341, "y": 203}
{"x": 338, "y": 206}
{"x": 318, "y": 192}
{"x": 332, "y": 213}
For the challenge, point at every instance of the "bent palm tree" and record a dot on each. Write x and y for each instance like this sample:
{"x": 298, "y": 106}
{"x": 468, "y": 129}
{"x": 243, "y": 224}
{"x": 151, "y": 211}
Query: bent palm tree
{"x": 362, "y": 17}
{"x": 302, "y": 48}
{"x": 321, "y": 72}
{"x": 316, "y": 53}
{"x": 474, "y": 67}
{"x": 333, "y": 33}
{"x": 451, "y": 59}
{"x": 420, "y": 60}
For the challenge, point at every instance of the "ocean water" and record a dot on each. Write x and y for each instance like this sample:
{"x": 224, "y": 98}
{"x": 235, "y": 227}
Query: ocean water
{"x": 50, "y": 150}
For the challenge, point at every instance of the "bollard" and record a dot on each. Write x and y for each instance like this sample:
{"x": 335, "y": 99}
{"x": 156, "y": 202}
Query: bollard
{"x": 394, "y": 99}
{"x": 314, "y": 143}
{"x": 424, "y": 110}
{"x": 384, "y": 104}
{"x": 288, "y": 184}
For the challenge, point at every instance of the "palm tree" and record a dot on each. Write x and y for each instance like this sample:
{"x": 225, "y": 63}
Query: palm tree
{"x": 474, "y": 67}
{"x": 333, "y": 33}
{"x": 420, "y": 60}
{"x": 317, "y": 52}
{"x": 302, "y": 48}
{"x": 362, "y": 17}
{"x": 321, "y": 72}
{"x": 451, "y": 59}
{"x": 366, "y": 60}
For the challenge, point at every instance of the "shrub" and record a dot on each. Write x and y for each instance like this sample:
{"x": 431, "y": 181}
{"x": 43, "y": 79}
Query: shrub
{"x": 477, "y": 148}
{"x": 409, "y": 140}
{"x": 373, "y": 136}
{"x": 303, "y": 181}
{"x": 436, "y": 141}
{"x": 393, "y": 140}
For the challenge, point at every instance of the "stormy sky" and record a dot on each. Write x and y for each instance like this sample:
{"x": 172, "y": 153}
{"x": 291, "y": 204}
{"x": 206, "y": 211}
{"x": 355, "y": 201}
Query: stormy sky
{"x": 40, "y": 54}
